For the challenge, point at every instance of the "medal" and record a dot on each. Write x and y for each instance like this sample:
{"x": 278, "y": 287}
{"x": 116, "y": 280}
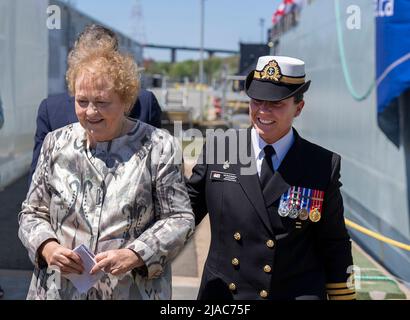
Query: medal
{"x": 294, "y": 212}
{"x": 302, "y": 203}
{"x": 317, "y": 198}
{"x": 283, "y": 210}
{"x": 303, "y": 214}
{"x": 314, "y": 215}
{"x": 293, "y": 208}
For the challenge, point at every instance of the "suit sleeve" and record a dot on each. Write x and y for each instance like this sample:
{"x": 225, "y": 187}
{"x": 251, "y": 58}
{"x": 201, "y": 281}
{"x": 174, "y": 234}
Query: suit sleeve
{"x": 196, "y": 188}
{"x": 334, "y": 241}
{"x": 155, "y": 112}
{"x": 43, "y": 128}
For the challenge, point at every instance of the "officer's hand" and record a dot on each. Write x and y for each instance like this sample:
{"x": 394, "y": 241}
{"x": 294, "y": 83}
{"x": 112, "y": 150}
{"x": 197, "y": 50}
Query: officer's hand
{"x": 65, "y": 259}
{"x": 117, "y": 262}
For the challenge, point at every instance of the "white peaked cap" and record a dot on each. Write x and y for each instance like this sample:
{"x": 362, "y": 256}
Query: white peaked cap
{"x": 290, "y": 67}
{"x": 276, "y": 78}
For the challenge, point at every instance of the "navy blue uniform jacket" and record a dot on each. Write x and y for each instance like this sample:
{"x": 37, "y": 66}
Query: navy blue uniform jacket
{"x": 254, "y": 252}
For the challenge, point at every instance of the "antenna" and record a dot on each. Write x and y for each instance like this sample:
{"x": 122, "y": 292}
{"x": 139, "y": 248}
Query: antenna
{"x": 137, "y": 23}
{"x": 262, "y": 25}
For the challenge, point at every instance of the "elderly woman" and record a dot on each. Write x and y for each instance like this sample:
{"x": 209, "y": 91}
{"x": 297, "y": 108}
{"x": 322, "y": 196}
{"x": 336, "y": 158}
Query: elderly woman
{"x": 109, "y": 183}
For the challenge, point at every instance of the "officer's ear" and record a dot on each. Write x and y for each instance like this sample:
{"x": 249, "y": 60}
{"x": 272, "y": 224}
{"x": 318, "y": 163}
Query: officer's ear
{"x": 299, "y": 107}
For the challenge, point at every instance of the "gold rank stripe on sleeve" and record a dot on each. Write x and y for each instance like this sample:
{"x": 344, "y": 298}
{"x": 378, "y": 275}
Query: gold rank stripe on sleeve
{"x": 338, "y": 285}
{"x": 343, "y": 297}
{"x": 340, "y": 291}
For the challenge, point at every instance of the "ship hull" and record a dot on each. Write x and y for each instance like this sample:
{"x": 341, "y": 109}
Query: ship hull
{"x": 373, "y": 169}
{"x": 23, "y": 81}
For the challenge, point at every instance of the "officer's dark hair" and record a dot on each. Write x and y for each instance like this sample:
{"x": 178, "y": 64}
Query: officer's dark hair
{"x": 298, "y": 97}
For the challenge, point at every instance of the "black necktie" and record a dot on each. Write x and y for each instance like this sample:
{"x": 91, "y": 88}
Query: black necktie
{"x": 267, "y": 169}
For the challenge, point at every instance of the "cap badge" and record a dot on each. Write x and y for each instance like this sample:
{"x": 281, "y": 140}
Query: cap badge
{"x": 271, "y": 72}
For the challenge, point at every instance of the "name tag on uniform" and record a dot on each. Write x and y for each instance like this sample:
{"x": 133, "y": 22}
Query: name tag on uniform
{"x": 223, "y": 176}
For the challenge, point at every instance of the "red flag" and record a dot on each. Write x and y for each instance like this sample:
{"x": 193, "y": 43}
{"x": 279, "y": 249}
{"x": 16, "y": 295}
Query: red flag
{"x": 280, "y": 11}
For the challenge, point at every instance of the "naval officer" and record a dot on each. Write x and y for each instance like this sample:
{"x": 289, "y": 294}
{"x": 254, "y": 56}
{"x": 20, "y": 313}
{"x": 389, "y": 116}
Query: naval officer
{"x": 277, "y": 232}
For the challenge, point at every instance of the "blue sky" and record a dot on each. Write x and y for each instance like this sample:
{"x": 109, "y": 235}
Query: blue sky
{"x": 177, "y": 22}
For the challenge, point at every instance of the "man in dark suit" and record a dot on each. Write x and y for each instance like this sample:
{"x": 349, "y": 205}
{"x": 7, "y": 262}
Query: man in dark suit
{"x": 274, "y": 202}
{"x": 58, "y": 111}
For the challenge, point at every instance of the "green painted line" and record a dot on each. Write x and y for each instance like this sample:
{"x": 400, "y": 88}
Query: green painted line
{"x": 371, "y": 279}
{"x": 343, "y": 60}
{"x": 375, "y": 278}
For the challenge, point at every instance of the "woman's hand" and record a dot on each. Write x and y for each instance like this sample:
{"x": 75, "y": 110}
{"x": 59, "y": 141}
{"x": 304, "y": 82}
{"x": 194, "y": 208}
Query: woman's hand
{"x": 117, "y": 262}
{"x": 63, "y": 258}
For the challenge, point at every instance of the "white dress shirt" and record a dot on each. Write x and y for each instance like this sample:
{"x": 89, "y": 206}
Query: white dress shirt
{"x": 281, "y": 147}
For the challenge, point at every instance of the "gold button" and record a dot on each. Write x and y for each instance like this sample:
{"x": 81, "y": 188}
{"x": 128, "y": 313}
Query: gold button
{"x": 270, "y": 243}
{"x": 232, "y": 286}
{"x": 267, "y": 268}
{"x": 237, "y": 236}
{"x": 235, "y": 262}
{"x": 263, "y": 294}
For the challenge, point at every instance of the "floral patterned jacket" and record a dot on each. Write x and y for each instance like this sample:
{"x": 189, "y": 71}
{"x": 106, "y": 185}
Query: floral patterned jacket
{"x": 126, "y": 193}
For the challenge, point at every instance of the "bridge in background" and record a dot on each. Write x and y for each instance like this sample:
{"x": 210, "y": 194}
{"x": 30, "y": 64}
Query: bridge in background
{"x": 174, "y": 50}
